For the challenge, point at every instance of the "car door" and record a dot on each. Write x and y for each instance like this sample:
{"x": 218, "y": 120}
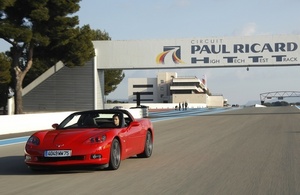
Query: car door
{"x": 135, "y": 137}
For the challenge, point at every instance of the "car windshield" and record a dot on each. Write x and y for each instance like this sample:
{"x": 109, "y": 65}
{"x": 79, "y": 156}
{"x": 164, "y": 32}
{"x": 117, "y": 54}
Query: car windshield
{"x": 92, "y": 119}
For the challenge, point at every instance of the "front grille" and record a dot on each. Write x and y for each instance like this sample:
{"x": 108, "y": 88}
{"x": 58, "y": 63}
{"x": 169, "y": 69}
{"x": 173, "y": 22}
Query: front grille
{"x": 57, "y": 159}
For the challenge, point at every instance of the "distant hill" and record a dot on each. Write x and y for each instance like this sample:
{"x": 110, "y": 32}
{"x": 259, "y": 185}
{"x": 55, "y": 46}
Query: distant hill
{"x": 252, "y": 102}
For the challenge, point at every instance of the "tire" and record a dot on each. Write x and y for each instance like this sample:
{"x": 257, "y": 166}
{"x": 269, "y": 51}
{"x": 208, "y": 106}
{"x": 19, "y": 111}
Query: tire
{"x": 148, "y": 148}
{"x": 115, "y": 155}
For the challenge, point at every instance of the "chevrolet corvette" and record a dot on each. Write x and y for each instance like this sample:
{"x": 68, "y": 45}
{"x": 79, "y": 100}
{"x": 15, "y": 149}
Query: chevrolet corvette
{"x": 100, "y": 138}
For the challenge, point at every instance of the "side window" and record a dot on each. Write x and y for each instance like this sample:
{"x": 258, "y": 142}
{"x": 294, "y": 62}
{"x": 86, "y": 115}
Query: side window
{"x": 127, "y": 119}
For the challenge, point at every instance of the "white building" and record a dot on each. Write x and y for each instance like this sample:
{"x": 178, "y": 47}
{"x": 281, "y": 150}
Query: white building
{"x": 169, "y": 88}
{"x": 147, "y": 87}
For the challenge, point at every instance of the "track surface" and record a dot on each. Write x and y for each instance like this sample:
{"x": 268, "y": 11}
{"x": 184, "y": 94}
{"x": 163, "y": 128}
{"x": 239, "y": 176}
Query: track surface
{"x": 244, "y": 151}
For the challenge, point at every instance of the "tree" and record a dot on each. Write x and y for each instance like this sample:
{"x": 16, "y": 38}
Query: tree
{"x": 5, "y": 79}
{"x": 40, "y": 66}
{"x": 111, "y": 77}
{"x": 42, "y": 29}
{"x": 5, "y": 76}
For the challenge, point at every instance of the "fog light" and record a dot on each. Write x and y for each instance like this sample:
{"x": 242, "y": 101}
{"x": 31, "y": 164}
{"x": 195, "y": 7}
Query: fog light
{"x": 96, "y": 156}
{"x": 27, "y": 158}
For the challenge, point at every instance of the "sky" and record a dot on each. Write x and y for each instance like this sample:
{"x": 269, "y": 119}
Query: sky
{"x": 177, "y": 19}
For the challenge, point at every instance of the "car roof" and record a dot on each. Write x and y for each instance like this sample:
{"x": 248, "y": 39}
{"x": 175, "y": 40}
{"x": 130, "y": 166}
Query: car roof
{"x": 106, "y": 111}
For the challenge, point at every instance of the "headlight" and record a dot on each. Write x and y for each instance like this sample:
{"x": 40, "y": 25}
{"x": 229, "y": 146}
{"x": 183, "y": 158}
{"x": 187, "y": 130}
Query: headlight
{"x": 97, "y": 139}
{"x": 33, "y": 140}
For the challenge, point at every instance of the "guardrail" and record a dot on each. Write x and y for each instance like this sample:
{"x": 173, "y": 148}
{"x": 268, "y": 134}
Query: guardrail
{"x": 38, "y": 121}
{"x": 29, "y": 122}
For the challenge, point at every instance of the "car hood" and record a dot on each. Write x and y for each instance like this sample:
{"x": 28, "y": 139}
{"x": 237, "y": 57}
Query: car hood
{"x": 68, "y": 137}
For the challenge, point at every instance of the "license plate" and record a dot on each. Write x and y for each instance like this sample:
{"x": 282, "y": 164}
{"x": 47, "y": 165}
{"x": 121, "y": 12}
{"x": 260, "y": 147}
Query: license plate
{"x": 57, "y": 153}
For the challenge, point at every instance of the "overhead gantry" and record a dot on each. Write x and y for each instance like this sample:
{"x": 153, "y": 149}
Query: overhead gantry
{"x": 280, "y": 95}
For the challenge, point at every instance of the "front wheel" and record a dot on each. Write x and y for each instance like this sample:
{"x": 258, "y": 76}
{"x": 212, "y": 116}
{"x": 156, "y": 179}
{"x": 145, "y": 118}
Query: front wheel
{"x": 115, "y": 155}
{"x": 148, "y": 146}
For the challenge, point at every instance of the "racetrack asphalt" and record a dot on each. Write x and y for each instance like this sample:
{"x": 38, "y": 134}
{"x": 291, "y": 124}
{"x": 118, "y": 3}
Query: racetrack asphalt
{"x": 242, "y": 151}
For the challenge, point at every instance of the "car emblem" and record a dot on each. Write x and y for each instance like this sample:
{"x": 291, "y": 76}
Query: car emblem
{"x": 59, "y": 145}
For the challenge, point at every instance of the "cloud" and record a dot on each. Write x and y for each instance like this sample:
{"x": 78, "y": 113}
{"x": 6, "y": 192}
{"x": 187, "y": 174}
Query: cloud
{"x": 247, "y": 30}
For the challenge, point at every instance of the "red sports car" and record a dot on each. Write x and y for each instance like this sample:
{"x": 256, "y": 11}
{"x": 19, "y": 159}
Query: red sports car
{"x": 99, "y": 138}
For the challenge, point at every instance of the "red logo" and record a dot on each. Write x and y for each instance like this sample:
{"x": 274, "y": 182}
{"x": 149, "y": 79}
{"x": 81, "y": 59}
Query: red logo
{"x": 173, "y": 51}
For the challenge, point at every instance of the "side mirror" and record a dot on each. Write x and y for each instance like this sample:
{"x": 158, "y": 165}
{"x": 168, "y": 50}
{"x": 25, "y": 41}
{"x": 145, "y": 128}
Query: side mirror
{"x": 55, "y": 125}
{"x": 134, "y": 123}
